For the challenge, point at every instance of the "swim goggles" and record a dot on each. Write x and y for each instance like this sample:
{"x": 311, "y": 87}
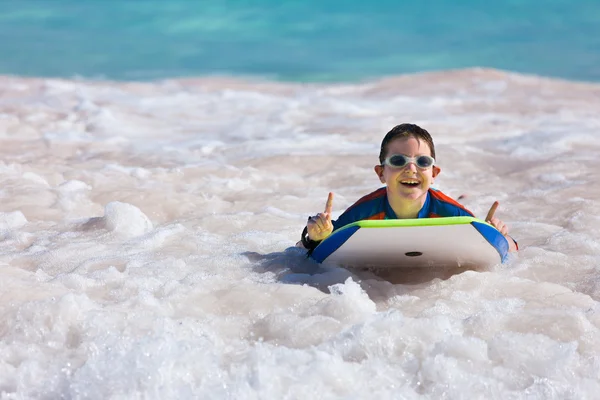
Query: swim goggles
{"x": 400, "y": 161}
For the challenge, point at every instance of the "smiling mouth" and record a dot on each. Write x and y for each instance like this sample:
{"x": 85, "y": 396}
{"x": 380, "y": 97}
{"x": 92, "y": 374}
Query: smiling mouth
{"x": 409, "y": 183}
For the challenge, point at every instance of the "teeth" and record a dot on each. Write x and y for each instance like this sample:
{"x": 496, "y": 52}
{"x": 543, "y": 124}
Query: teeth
{"x": 409, "y": 182}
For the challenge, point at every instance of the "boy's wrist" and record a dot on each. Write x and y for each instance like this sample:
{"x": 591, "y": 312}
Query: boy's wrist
{"x": 307, "y": 242}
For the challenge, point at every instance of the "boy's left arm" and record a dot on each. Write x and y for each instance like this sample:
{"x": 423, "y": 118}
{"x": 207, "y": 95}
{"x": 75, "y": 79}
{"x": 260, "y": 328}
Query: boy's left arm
{"x": 501, "y": 226}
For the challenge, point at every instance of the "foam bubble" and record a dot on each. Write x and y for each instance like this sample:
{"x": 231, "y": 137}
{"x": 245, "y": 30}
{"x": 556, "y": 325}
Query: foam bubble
{"x": 126, "y": 219}
{"x": 12, "y": 220}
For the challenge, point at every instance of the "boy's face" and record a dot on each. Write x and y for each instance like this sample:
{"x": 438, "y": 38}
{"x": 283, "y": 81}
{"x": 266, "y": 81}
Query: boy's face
{"x": 409, "y": 182}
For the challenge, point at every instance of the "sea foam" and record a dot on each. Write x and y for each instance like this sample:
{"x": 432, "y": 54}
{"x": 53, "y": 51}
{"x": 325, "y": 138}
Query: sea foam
{"x": 148, "y": 238}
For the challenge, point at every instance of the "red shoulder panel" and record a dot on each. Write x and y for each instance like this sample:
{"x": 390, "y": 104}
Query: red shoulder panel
{"x": 379, "y": 216}
{"x": 441, "y": 196}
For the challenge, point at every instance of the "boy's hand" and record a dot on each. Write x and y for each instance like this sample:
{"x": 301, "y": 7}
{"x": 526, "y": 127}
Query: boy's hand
{"x": 501, "y": 226}
{"x": 320, "y": 226}
{"x": 497, "y": 223}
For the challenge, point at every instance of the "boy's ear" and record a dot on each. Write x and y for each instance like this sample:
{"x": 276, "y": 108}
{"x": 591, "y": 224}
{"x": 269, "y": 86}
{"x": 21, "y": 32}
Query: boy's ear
{"x": 435, "y": 171}
{"x": 379, "y": 171}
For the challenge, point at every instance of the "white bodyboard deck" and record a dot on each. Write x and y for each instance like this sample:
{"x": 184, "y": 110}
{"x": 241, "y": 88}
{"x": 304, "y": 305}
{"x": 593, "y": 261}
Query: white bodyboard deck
{"x": 427, "y": 243}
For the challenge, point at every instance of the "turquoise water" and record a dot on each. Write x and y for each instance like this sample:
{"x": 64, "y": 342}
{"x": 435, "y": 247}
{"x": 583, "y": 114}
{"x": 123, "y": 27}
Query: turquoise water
{"x": 309, "y": 40}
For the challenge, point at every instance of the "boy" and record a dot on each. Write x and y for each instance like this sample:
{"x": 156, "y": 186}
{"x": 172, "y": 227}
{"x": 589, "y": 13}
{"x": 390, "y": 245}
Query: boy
{"x": 407, "y": 168}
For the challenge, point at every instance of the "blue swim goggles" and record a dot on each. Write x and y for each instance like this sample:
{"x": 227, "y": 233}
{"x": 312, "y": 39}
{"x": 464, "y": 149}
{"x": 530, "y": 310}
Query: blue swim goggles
{"x": 400, "y": 161}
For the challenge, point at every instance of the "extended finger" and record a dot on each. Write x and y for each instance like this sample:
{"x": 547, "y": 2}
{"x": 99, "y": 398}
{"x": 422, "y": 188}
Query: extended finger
{"x": 329, "y": 204}
{"x": 490, "y": 213}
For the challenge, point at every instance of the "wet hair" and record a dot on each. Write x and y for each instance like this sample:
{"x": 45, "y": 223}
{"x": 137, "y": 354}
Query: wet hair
{"x": 405, "y": 131}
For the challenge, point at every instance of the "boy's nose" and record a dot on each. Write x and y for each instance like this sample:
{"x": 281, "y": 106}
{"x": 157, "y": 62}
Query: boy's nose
{"x": 411, "y": 166}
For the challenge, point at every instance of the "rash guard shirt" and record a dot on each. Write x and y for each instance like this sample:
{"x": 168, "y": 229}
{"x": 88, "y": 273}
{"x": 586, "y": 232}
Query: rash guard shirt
{"x": 375, "y": 206}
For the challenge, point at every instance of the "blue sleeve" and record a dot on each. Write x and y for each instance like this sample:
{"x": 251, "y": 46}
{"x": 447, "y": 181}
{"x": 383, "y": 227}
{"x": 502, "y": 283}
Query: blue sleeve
{"x": 460, "y": 212}
{"x": 349, "y": 216}
{"x": 361, "y": 211}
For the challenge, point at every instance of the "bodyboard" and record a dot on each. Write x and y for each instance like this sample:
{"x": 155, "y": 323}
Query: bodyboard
{"x": 408, "y": 243}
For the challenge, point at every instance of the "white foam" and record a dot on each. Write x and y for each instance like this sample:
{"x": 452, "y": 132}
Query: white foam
{"x": 12, "y": 220}
{"x": 126, "y": 219}
{"x": 147, "y": 238}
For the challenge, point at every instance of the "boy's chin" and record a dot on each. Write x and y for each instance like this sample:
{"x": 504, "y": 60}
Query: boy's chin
{"x": 412, "y": 196}
{"x": 410, "y": 193}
